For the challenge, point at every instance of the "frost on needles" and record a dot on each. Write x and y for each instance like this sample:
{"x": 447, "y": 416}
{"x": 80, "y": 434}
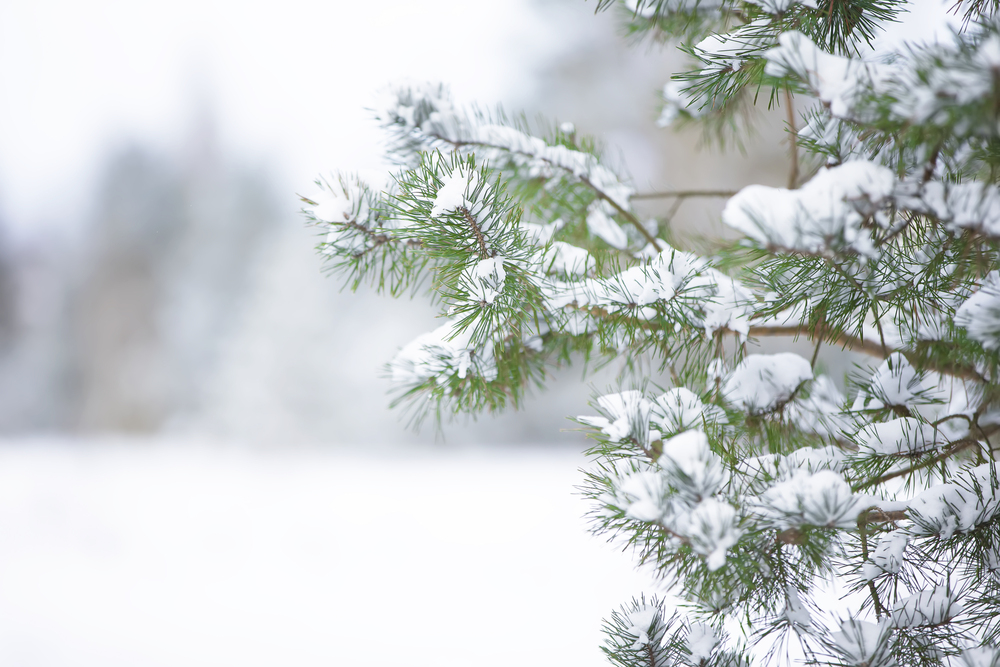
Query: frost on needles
{"x": 789, "y": 514}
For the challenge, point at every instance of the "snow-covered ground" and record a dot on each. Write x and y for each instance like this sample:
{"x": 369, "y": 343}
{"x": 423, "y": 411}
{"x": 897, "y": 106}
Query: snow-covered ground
{"x": 138, "y": 553}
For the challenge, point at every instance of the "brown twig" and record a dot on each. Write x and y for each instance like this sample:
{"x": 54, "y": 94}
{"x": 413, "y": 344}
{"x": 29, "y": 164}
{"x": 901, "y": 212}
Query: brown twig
{"x": 480, "y": 239}
{"x": 957, "y": 446}
{"x": 793, "y": 175}
{"x": 862, "y": 525}
{"x": 844, "y": 340}
{"x": 685, "y": 194}
{"x": 871, "y": 348}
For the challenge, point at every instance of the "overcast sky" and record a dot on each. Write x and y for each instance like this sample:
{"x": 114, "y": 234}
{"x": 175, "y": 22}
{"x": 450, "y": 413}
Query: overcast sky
{"x": 288, "y": 81}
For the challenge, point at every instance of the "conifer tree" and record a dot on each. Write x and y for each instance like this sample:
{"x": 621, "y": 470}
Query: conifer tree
{"x": 791, "y": 521}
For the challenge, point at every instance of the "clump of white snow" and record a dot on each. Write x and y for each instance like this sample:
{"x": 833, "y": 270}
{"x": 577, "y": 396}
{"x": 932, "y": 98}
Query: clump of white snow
{"x": 498, "y": 143}
{"x": 837, "y": 81}
{"x": 725, "y": 302}
{"x": 701, "y": 642}
{"x": 968, "y": 205}
{"x": 729, "y": 50}
{"x": 971, "y": 204}
{"x": 805, "y": 460}
{"x": 710, "y": 296}
{"x": 795, "y": 612}
{"x": 899, "y": 437}
{"x": 691, "y": 466}
{"x": 332, "y": 206}
{"x": 712, "y": 528}
{"x": 484, "y": 279}
{"x": 646, "y": 496}
{"x": 340, "y": 207}
{"x": 566, "y": 259}
{"x": 826, "y": 212}
{"x": 810, "y": 459}
{"x": 928, "y": 607}
{"x": 888, "y": 555}
{"x": 440, "y": 354}
{"x": 628, "y": 417}
{"x": 818, "y": 499}
{"x": 762, "y": 382}
{"x": 454, "y": 192}
{"x": 822, "y": 412}
{"x": 410, "y": 111}
{"x": 941, "y": 78}
{"x": 980, "y": 314}
{"x": 602, "y": 225}
{"x": 863, "y": 644}
{"x": 925, "y": 83}
{"x": 944, "y": 509}
{"x": 639, "y": 285}
{"x": 895, "y": 383}
{"x": 677, "y": 494}
{"x": 680, "y": 409}
{"x": 642, "y": 621}
{"x": 423, "y": 116}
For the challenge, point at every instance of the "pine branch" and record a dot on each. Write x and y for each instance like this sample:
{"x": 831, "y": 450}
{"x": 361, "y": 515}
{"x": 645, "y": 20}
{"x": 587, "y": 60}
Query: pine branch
{"x": 821, "y": 333}
{"x": 956, "y": 447}
{"x": 871, "y": 348}
{"x": 603, "y": 196}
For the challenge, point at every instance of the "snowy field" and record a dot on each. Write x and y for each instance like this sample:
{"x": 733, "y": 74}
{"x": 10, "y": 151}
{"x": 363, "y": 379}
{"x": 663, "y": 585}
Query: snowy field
{"x": 169, "y": 553}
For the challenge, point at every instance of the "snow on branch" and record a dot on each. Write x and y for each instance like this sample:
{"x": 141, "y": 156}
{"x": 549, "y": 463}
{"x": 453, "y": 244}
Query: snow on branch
{"x": 440, "y": 355}
{"x": 862, "y": 644}
{"x": 930, "y": 607}
{"x": 827, "y": 213}
{"x": 765, "y": 382}
{"x": 979, "y": 315}
{"x": 900, "y": 437}
{"x": 641, "y": 634}
{"x": 895, "y": 384}
{"x": 692, "y": 468}
{"x": 888, "y": 555}
{"x": 424, "y": 118}
{"x": 627, "y": 417}
{"x": 361, "y": 236}
{"x": 972, "y": 205}
{"x": 957, "y": 507}
{"x": 712, "y": 528}
{"x": 709, "y": 299}
{"x": 951, "y": 84}
{"x": 820, "y": 499}
{"x": 682, "y": 491}
{"x": 680, "y": 409}
{"x": 838, "y": 81}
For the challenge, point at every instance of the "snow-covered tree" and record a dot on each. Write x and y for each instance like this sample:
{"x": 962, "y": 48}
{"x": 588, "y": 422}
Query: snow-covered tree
{"x": 789, "y": 520}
